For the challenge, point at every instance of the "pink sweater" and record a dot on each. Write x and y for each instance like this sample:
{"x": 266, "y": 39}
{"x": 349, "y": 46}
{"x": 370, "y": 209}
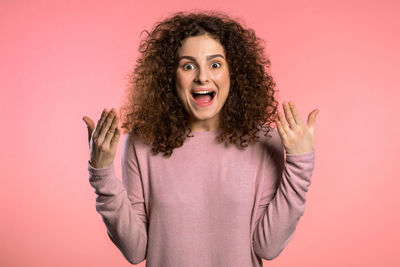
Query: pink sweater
{"x": 208, "y": 205}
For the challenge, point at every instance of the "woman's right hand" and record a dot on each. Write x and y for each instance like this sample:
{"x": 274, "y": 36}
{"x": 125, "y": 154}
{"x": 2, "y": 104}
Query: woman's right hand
{"x": 104, "y": 139}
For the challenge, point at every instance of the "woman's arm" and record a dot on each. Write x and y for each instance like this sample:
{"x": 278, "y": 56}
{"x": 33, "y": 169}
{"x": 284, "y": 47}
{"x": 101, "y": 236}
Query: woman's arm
{"x": 280, "y": 216}
{"x": 121, "y": 205}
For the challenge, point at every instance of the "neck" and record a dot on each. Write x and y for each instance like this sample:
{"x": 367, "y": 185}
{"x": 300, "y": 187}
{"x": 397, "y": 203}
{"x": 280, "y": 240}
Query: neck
{"x": 204, "y": 125}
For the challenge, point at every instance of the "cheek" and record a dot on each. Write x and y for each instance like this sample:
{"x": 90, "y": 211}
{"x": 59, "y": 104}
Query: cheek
{"x": 183, "y": 79}
{"x": 180, "y": 89}
{"x": 222, "y": 77}
{"x": 179, "y": 85}
{"x": 181, "y": 95}
{"x": 223, "y": 81}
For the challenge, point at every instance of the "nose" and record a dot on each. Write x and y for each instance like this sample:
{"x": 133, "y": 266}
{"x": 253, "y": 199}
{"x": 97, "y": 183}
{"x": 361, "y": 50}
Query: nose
{"x": 202, "y": 76}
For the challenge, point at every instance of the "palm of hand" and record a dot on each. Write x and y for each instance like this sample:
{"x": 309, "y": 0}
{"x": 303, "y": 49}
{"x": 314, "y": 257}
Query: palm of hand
{"x": 297, "y": 138}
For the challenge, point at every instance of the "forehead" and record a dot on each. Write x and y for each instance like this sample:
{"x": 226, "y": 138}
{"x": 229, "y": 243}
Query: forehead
{"x": 201, "y": 45}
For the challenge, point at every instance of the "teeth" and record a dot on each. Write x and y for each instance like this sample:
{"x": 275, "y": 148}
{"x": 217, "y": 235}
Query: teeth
{"x": 203, "y": 92}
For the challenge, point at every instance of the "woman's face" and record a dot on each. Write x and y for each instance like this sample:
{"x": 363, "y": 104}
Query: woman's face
{"x": 202, "y": 81}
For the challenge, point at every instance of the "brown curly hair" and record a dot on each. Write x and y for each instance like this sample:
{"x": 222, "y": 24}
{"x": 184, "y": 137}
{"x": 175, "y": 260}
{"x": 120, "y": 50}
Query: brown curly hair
{"x": 153, "y": 110}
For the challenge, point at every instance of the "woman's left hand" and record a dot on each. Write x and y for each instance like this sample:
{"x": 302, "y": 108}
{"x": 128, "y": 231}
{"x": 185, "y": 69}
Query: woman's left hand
{"x": 296, "y": 137}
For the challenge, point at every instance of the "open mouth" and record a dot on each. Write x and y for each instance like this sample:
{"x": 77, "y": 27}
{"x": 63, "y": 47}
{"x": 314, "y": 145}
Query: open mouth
{"x": 207, "y": 96}
{"x": 203, "y": 98}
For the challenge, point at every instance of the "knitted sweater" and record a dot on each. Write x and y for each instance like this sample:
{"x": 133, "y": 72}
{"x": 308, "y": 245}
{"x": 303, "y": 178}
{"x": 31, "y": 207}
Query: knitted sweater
{"x": 208, "y": 205}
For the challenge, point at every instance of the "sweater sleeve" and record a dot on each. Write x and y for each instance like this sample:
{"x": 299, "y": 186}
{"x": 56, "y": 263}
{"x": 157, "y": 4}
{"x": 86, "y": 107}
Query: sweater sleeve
{"x": 121, "y": 206}
{"x": 280, "y": 212}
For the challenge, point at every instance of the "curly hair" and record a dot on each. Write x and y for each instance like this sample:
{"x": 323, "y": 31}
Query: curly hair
{"x": 153, "y": 110}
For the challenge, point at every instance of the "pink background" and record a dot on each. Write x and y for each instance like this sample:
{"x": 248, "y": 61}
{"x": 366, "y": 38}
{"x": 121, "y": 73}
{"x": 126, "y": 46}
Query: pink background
{"x": 61, "y": 60}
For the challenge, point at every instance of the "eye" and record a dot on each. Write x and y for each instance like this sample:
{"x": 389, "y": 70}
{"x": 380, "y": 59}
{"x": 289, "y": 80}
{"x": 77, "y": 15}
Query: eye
{"x": 216, "y": 65}
{"x": 186, "y": 65}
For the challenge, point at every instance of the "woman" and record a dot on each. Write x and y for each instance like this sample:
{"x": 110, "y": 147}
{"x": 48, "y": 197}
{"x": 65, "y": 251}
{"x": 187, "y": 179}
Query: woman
{"x": 220, "y": 193}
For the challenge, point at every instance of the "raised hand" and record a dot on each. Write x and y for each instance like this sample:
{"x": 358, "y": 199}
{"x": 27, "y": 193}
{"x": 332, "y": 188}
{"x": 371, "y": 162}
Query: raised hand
{"x": 104, "y": 139}
{"x": 296, "y": 137}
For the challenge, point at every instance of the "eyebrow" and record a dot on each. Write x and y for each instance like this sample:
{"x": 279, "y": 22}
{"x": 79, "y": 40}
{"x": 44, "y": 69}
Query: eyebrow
{"x": 208, "y": 57}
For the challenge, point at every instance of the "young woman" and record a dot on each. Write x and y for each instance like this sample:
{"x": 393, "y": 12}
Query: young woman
{"x": 201, "y": 185}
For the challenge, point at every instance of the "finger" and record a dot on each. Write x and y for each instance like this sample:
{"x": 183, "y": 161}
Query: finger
{"x": 100, "y": 123}
{"x": 311, "y": 119}
{"x": 106, "y": 126}
{"x": 296, "y": 114}
{"x": 289, "y": 116}
{"x": 283, "y": 122}
{"x": 115, "y": 139}
{"x": 280, "y": 129}
{"x": 90, "y": 126}
{"x": 111, "y": 131}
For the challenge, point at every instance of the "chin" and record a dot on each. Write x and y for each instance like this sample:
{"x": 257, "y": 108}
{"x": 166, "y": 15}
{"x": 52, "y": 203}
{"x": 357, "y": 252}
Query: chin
{"x": 204, "y": 115}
